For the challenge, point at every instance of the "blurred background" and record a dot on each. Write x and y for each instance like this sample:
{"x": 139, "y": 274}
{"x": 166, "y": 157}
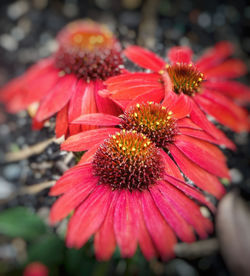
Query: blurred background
{"x": 27, "y": 33}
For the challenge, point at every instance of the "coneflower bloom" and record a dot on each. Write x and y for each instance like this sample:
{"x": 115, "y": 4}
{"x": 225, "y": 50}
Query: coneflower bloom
{"x": 206, "y": 83}
{"x": 168, "y": 127}
{"x": 130, "y": 193}
{"x": 68, "y": 82}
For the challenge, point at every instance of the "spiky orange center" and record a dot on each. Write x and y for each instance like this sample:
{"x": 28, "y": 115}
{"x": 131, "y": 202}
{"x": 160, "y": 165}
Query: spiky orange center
{"x": 153, "y": 120}
{"x": 186, "y": 78}
{"x": 89, "y": 51}
{"x": 128, "y": 160}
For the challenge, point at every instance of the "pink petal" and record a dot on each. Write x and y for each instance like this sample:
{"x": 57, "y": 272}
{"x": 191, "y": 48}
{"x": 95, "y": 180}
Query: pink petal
{"x": 144, "y": 239}
{"x": 187, "y": 123}
{"x": 224, "y": 110}
{"x": 187, "y": 208}
{"x": 172, "y": 217}
{"x": 80, "y": 173}
{"x": 170, "y": 167}
{"x": 105, "y": 237}
{"x": 204, "y": 154}
{"x": 160, "y": 232}
{"x": 200, "y": 177}
{"x": 57, "y": 98}
{"x": 199, "y": 134}
{"x": 144, "y": 58}
{"x": 99, "y": 119}
{"x": 89, "y": 155}
{"x": 199, "y": 118}
{"x": 71, "y": 199}
{"x": 125, "y": 224}
{"x": 88, "y": 217}
{"x": 180, "y": 54}
{"x": 85, "y": 140}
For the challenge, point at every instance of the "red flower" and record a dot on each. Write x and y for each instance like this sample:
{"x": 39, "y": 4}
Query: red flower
{"x": 130, "y": 193}
{"x": 168, "y": 127}
{"x": 206, "y": 83}
{"x": 68, "y": 82}
{"x": 36, "y": 269}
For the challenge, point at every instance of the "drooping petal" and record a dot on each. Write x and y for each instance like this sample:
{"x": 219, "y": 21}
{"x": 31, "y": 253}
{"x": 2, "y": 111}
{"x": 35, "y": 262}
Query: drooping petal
{"x": 71, "y": 199}
{"x": 160, "y": 232}
{"x": 79, "y": 173}
{"x": 85, "y": 140}
{"x": 104, "y": 241}
{"x": 99, "y": 119}
{"x": 224, "y": 110}
{"x": 180, "y": 54}
{"x": 232, "y": 68}
{"x": 144, "y": 58}
{"x": 215, "y": 55}
{"x": 88, "y": 217}
{"x": 57, "y": 98}
{"x": 187, "y": 208}
{"x": 170, "y": 167}
{"x": 183, "y": 230}
{"x": 144, "y": 239}
{"x": 125, "y": 224}
{"x": 199, "y": 118}
{"x": 233, "y": 89}
{"x": 200, "y": 177}
{"x": 62, "y": 122}
{"x": 204, "y": 154}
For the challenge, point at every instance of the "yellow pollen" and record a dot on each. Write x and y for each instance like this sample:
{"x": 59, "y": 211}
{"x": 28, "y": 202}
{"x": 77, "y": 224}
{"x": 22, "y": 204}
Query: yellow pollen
{"x": 157, "y": 123}
{"x": 99, "y": 39}
{"x": 161, "y": 72}
{"x": 118, "y": 133}
{"x": 78, "y": 38}
{"x": 145, "y": 145}
{"x": 148, "y": 142}
{"x": 138, "y": 105}
{"x": 163, "y": 108}
{"x": 200, "y": 79}
{"x": 135, "y": 114}
{"x": 167, "y": 66}
{"x": 178, "y": 63}
{"x": 114, "y": 137}
{"x": 133, "y": 149}
{"x": 201, "y": 74}
{"x": 168, "y": 117}
{"x": 123, "y": 148}
{"x": 120, "y": 145}
{"x": 170, "y": 112}
{"x": 133, "y": 131}
{"x": 190, "y": 64}
{"x": 150, "y": 102}
{"x": 123, "y": 130}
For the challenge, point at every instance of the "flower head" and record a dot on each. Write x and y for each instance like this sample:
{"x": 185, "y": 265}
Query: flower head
{"x": 36, "y": 269}
{"x": 206, "y": 83}
{"x": 68, "y": 82}
{"x": 130, "y": 193}
{"x": 168, "y": 128}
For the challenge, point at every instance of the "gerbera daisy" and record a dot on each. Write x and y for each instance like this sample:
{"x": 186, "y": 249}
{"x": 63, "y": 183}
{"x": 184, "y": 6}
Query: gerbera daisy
{"x": 130, "y": 193}
{"x": 206, "y": 83}
{"x": 169, "y": 128}
{"x": 68, "y": 82}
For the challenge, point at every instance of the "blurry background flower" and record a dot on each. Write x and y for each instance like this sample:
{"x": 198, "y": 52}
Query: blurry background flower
{"x": 27, "y": 32}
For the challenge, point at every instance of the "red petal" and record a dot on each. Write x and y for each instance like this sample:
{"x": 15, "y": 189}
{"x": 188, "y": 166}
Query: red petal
{"x": 200, "y": 177}
{"x": 144, "y": 58}
{"x": 176, "y": 222}
{"x": 62, "y": 122}
{"x": 187, "y": 208}
{"x": 80, "y": 173}
{"x": 85, "y": 140}
{"x": 88, "y": 217}
{"x": 187, "y": 123}
{"x": 232, "y": 68}
{"x": 189, "y": 191}
{"x": 71, "y": 199}
{"x": 99, "y": 119}
{"x": 161, "y": 234}
{"x": 170, "y": 167}
{"x": 104, "y": 104}
{"x": 215, "y": 55}
{"x": 233, "y": 89}
{"x": 180, "y": 54}
{"x": 144, "y": 239}
{"x": 37, "y": 125}
{"x": 88, "y": 156}
{"x": 199, "y": 118}
{"x": 125, "y": 224}
{"x": 105, "y": 237}
{"x": 223, "y": 110}
{"x": 204, "y": 154}
{"x": 199, "y": 134}
{"x": 57, "y": 98}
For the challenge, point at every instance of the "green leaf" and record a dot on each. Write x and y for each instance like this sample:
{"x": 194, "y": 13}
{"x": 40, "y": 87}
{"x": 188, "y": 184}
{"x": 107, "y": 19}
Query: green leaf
{"x": 49, "y": 250}
{"x": 21, "y": 222}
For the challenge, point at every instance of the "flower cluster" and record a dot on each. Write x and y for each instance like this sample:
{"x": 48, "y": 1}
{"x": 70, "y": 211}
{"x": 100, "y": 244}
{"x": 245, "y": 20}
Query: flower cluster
{"x": 149, "y": 155}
